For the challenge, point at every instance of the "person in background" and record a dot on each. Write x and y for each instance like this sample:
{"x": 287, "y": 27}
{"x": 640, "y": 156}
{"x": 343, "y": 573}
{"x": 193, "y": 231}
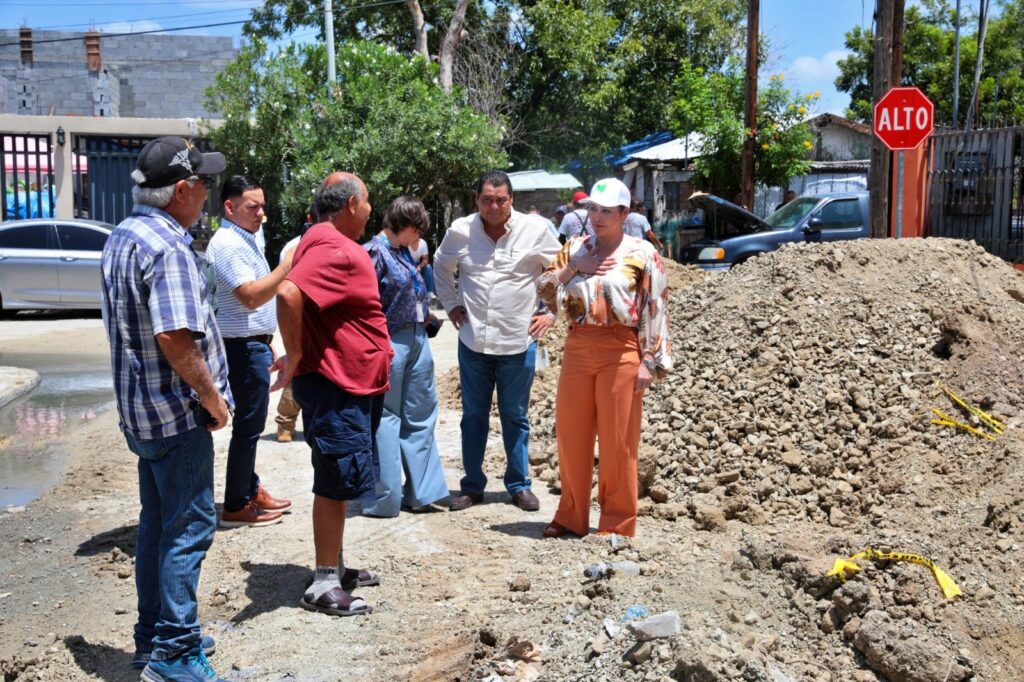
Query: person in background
{"x": 172, "y": 391}
{"x": 560, "y": 212}
{"x": 287, "y": 409}
{"x": 498, "y": 254}
{"x": 337, "y": 355}
{"x": 533, "y": 210}
{"x": 636, "y": 224}
{"x": 405, "y": 438}
{"x": 613, "y": 290}
{"x": 577, "y": 221}
{"x": 246, "y": 313}
{"x": 420, "y": 252}
{"x": 786, "y": 198}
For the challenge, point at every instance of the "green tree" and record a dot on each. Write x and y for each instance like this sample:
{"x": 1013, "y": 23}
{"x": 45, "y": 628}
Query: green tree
{"x": 711, "y": 104}
{"x": 928, "y": 62}
{"x": 385, "y": 119}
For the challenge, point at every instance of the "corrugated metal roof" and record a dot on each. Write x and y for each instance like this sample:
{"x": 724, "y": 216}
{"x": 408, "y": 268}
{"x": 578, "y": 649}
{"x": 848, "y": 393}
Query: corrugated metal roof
{"x": 526, "y": 181}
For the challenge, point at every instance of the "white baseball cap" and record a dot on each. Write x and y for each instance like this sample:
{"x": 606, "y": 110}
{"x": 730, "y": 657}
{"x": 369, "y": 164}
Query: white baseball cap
{"x": 611, "y": 192}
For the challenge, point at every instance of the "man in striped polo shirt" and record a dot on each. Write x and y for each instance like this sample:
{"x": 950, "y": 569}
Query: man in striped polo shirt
{"x": 247, "y": 316}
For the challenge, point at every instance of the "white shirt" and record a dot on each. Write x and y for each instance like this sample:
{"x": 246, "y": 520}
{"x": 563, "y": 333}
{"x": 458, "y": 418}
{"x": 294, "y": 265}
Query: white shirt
{"x": 237, "y": 260}
{"x": 420, "y": 251}
{"x": 497, "y": 280}
{"x": 636, "y": 225}
{"x": 289, "y": 246}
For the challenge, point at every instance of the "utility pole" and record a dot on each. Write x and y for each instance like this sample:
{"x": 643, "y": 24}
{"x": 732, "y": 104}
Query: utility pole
{"x": 956, "y": 70}
{"x": 881, "y": 81}
{"x": 750, "y": 107}
{"x": 332, "y": 75}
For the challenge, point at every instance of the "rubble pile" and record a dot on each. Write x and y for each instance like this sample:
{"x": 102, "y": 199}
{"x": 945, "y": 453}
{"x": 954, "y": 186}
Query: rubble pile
{"x": 805, "y": 379}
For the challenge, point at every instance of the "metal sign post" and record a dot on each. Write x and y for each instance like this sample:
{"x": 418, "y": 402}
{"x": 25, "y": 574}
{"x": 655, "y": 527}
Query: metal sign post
{"x": 899, "y": 194}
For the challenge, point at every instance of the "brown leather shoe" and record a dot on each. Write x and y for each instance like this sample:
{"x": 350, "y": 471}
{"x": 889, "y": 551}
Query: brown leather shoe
{"x": 464, "y": 501}
{"x": 526, "y": 500}
{"x": 266, "y": 502}
{"x": 249, "y": 515}
{"x": 284, "y": 435}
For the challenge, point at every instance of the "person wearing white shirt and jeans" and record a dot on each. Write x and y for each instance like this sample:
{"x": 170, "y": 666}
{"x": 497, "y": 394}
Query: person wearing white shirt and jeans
{"x": 247, "y": 317}
{"x": 499, "y": 254}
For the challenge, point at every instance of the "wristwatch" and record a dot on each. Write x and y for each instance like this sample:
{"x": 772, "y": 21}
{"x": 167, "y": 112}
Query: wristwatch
{"x": 650, "y": 365}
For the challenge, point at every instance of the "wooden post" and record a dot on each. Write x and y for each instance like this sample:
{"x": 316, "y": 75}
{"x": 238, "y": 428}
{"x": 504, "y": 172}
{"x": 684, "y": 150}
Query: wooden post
{"x": 750, "y": 107}
{"x": 881, "y": 158}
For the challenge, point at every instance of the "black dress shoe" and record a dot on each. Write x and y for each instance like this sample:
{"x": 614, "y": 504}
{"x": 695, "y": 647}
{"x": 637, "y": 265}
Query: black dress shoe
{"x": 464, "y": 501}
{"x": 526, "y": 500}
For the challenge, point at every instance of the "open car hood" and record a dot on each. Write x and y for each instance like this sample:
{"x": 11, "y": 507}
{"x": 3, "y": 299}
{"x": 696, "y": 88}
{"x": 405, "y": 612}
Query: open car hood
{"x": 718, "y": 211}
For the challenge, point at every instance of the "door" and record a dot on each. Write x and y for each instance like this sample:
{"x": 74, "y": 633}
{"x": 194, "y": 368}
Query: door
{"x": 28, "y": 266}
{"x": 838, "y": 219}
{"x": 79, "y": 266}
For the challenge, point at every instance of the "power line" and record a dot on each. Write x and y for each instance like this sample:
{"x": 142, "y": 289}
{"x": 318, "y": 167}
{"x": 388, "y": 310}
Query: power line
{"x": 339, "y": 10}
{"x": 141, "y": 19}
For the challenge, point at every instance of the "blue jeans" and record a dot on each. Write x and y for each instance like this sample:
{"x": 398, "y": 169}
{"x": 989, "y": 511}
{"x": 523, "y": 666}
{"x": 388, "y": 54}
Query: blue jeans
{"x": 428, "y": 278}
{"x": 405, "y": 437}
{"x": 175, "y": 529}
{"x": 478, "y": 375}
{"x": 249, "y": 376}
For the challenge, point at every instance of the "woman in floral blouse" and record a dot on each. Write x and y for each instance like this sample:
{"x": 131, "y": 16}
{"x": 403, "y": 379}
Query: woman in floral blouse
{"x": 405, "y": 437}
{"x": 612, "y": 288}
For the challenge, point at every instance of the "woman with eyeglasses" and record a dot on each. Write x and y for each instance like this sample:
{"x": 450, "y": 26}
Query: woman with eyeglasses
{"x": 612, "y": 288}
{"x": 405, "y": 437}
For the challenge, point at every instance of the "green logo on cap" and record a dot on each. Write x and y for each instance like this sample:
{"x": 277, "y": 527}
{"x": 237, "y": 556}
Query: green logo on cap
{"x": 600, "y": 187}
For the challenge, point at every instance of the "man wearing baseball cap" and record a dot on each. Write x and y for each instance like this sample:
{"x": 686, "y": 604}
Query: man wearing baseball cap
{"x": 577, "y": 221}
{"x": 171, "y": 384}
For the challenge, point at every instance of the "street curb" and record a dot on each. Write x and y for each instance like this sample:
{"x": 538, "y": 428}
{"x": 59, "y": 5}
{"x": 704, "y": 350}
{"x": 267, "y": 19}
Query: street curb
{"x": 16, "y": 382}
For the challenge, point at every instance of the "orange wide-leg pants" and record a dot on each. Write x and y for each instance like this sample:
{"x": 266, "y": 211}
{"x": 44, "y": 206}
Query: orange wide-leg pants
{"x": 596, "y": 398}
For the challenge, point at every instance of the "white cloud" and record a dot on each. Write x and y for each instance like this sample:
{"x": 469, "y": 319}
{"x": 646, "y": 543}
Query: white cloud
{"x": 812, "y": 69}
{"x": 130, "y": 26}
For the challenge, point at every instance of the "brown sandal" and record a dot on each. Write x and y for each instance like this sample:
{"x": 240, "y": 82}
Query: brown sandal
{"x": 336, "y": 602}
{"x": 555, "y": 530}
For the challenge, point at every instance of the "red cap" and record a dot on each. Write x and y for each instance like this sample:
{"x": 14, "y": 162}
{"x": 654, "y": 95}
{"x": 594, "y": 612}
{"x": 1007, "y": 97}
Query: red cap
{"x": 580, "y": 197}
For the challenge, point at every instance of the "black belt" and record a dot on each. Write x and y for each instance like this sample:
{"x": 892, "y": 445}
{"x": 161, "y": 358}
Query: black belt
{"x": 259, "y": 338}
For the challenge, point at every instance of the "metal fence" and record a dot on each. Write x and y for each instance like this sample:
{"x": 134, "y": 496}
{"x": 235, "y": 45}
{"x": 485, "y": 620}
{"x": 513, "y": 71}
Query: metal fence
{"x": 26, "y": 176}
{"x": 977, "y": 189}
{"x": 102, "y": 170}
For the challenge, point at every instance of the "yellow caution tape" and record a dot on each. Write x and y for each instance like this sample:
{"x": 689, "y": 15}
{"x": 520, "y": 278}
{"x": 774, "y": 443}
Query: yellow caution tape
{"x": 842, "y": 567}
{"x": 946, "y": 420}
{"x": 985, "y": 418}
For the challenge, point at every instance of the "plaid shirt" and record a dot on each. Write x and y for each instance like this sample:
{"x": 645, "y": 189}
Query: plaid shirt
{"x": 152, "y": 283}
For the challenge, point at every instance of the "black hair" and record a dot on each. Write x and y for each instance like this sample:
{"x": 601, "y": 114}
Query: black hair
{"x": 335, "y": 198}
{"x": 494, "y": 178}
{"x": 406, "y": 211}
{"x": 236, "y": 185}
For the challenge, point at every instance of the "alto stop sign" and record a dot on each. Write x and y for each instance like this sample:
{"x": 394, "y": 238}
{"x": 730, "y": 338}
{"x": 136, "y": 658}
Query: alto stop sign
{"x": 904, "y": 117}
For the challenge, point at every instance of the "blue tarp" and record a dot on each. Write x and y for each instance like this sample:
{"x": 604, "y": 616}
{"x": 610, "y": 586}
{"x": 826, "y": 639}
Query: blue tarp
{"x": 28, "y": 204}
{"x": 624, "y": 153}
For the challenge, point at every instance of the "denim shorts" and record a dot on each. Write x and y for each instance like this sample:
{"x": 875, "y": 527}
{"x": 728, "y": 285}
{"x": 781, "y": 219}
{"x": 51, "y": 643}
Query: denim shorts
{"x": 341, "y": 429}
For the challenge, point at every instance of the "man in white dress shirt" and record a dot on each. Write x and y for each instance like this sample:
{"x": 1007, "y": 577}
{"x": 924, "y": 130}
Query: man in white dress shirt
{"x": 498, "y": 254}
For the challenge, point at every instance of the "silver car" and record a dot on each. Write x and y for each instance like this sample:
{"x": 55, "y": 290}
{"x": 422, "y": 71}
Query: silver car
{"x": 48, "y": 263}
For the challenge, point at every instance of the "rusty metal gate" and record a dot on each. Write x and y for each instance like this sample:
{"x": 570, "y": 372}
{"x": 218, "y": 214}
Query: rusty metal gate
{"x": 26, "y": 176}
{"x": 977, "y": 189}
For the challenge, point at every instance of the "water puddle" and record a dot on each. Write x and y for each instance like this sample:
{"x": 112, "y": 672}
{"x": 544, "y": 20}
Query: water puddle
{"x": 35, "y": 443}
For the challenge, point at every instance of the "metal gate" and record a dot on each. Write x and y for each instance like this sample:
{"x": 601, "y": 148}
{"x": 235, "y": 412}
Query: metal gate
{"x": 103, "y": 168}
{"x": 977, "y": 189}
{"x": 26, "y": 176}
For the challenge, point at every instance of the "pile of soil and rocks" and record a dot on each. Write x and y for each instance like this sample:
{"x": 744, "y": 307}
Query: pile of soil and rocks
{"x": 800, "y": 408}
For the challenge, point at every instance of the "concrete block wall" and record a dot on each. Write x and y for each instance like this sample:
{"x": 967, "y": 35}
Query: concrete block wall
{"x": 150, "y": 76}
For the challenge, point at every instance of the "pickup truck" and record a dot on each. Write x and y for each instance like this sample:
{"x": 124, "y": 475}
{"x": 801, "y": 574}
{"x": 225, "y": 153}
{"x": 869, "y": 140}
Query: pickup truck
{"x": 733, "y": 234}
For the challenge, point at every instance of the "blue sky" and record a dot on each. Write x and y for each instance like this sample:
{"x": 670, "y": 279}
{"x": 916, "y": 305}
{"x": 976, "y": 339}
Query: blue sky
{"x": 806, "y": 35}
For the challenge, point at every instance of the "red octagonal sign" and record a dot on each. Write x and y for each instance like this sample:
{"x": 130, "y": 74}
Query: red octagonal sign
{"x": 904, "y": 117}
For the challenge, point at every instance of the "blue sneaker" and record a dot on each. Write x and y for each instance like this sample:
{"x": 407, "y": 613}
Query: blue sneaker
{"x": 143, "y": 654}
{"x": 184, "y": 668}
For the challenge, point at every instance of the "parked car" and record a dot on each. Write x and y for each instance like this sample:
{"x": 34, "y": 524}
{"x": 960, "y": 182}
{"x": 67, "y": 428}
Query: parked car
{"x": 733, "y": 234}
{"x": 48, "y": 263}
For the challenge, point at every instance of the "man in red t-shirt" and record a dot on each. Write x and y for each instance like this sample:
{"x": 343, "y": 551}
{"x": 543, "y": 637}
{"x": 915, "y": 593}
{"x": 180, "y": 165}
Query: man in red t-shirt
{"x": 337, "y": 355}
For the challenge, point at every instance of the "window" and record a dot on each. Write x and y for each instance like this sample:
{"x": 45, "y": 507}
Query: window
{"x": 675, "y": 196}
{"x": 25, "y": 237}
{"x": 77, "y": 238}
{"x": 840, "y": 214}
